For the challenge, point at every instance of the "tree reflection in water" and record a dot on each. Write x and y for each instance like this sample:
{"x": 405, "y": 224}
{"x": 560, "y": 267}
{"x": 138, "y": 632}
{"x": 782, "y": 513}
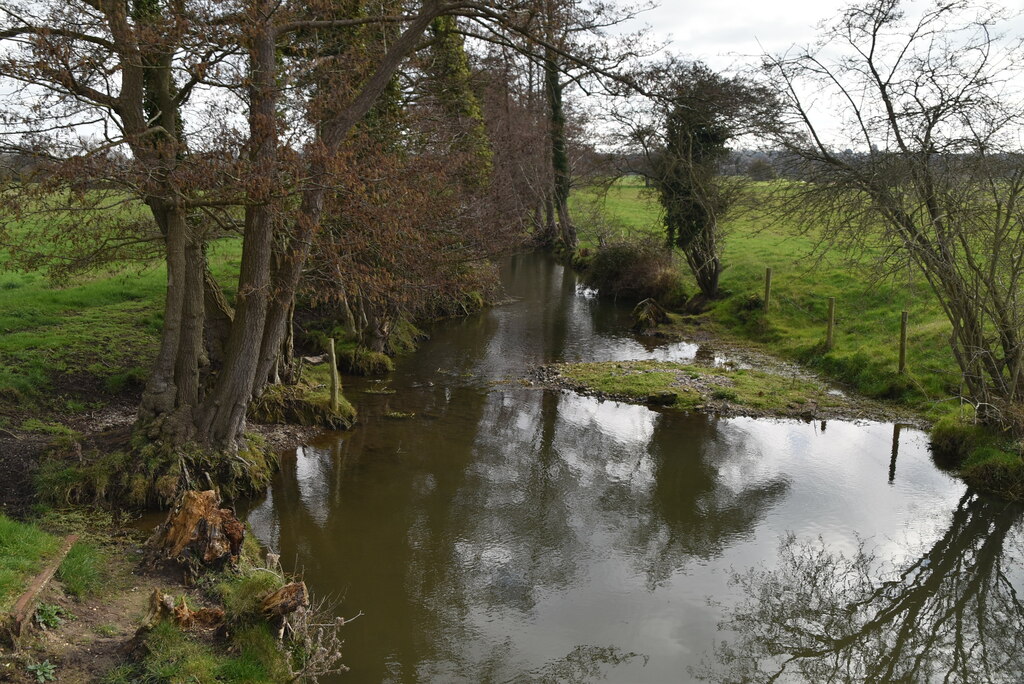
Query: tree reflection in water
{"x": 951, "y": 615}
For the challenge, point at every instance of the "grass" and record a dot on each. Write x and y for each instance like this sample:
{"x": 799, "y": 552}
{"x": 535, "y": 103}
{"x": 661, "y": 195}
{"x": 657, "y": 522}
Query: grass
{"x": 865, "y": 352}
{"x": 24, "y": 550}
{"x": 82, "y": 571}
{"x": 98, "y": 333}
{"x": 693, "y": 385}
{"x": 173, "y": 656}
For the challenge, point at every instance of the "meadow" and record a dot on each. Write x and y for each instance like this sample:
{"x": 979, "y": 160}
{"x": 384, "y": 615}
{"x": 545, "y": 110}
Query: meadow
{"x": 869, "y": 303}
{"x": 70, "y": 348}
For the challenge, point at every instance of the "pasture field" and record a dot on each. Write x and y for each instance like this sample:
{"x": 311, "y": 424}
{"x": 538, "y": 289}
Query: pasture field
{"x": 70, "y": 348}
{"x": 868, "y": 303}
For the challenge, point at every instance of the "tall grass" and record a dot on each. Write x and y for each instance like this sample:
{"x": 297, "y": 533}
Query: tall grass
{"x": 99, "y": 332}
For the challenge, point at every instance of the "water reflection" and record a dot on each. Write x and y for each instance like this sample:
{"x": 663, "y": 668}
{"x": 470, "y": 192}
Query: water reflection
{"x": 511, "y": 534}
{"x": 951, "y": 614}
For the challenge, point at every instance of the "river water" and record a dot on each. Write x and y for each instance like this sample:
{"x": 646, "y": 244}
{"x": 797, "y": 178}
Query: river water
{"x": 503, "y": 533}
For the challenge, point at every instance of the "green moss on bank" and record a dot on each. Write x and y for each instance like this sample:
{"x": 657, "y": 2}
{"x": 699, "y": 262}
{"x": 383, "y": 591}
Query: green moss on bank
{"x": 988, "y": 461}
{"x": 305, "y": 403}
{"x": 753, "y": 392}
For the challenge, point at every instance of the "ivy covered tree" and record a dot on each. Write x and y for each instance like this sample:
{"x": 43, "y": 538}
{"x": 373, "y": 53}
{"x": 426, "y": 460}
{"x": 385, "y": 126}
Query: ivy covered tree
{"x": 700, "y": 112}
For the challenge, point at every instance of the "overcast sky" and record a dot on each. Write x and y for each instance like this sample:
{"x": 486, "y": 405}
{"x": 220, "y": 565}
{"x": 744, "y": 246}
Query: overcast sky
{"x": 724, "y": 32}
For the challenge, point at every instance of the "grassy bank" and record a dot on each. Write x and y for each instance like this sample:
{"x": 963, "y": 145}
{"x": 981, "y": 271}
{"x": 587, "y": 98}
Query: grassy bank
{"x": 70, "y": 349}
{"x": 864, "y": 356}
{"x": 868, "y": 305}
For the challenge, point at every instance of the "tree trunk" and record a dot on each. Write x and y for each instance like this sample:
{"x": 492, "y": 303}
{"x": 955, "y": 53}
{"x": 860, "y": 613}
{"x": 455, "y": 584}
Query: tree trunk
{"x": 559, "y": 153}
{"x": 172, "y": 392}
{"x": 221, "y": 420}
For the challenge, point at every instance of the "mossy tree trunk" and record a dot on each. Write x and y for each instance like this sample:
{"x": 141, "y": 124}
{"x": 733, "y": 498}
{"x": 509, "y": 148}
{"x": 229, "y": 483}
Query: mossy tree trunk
{"x": 554, "y": 89}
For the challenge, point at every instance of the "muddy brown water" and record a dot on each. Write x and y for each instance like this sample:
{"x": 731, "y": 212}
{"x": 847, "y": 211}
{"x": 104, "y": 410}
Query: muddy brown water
{"x": 503, "y": 533}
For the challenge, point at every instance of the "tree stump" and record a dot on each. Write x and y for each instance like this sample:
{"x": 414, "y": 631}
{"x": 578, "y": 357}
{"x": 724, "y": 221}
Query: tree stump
{"x": 288, "y": 599}
{"x": 162, "y": 607}
{"x": 198, "y": 535}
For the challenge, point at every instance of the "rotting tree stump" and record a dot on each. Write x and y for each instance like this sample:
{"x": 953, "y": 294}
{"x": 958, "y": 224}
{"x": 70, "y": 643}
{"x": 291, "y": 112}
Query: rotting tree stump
{"x": 197, "y": 535}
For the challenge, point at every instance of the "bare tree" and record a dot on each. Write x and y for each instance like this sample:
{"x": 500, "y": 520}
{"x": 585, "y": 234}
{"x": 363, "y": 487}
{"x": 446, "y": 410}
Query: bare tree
{"x": 925, "y": 166}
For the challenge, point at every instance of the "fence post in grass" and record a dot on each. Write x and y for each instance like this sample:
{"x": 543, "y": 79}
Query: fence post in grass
{"x": 767, "y": 288}
{"x": 829, "y": 333}
{"x": 335, "y": 380}
{"x": 903, "y": 342}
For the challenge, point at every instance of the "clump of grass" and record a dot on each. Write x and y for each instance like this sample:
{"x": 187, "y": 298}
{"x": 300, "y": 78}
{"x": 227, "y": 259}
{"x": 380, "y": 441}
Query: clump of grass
{"x": 242, "y": 593}
{"x": 723, "y": 394}
{"x": 108, "y": 630}
{"x": 363, "y": 362}
{"x": 47, "y": 428}
{"x": 996, "y": 471}
{"x": 24, "y": 549}
{"x": 171, "y": 656}
{"x": 955, "y": 436}
{"x": 82, "y": 571}
{"x": 69, "y": 478}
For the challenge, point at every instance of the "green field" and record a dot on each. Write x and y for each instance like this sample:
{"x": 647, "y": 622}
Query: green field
{"x": 868, "y": 304}
{"x": 68, "y": 348}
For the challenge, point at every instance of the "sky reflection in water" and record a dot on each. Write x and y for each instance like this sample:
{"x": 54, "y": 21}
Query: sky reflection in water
{"x": 512, "y": 534}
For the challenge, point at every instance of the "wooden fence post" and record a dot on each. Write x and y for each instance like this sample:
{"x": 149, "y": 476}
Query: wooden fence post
{"x": 767, "y": 288}
{"x": 829, "y": 334}
{"x": 335, "y": 380}
{"x": 903, "y": 342}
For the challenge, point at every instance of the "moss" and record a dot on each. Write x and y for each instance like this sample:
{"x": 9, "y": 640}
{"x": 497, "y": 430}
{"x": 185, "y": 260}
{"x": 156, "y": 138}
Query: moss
{"x": 298, "y": 404}
{"x": 153, "y": 474}
{"x": 632, "y": 380}
{"x": 363, "y": 362}
{"x": 405, "y": 337}
{"x": 693, "y": 385}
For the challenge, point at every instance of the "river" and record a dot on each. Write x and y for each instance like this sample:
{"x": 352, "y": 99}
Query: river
{"x": 495, "y": 532}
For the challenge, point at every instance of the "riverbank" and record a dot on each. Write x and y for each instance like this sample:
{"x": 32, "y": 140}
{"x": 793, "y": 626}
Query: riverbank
{"x": 870, "y": 297}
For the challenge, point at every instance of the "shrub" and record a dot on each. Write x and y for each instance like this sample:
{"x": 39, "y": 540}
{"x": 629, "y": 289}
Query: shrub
{"x": 636, "y": 270}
